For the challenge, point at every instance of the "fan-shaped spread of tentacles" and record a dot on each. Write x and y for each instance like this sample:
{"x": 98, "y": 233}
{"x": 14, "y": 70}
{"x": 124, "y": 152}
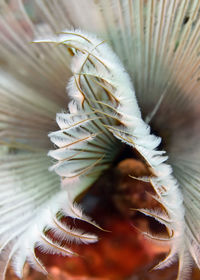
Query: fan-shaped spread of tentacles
{"x": 158, "y": 42}
{"x": 103, "y": 114}
{"x": 19, "y": 234}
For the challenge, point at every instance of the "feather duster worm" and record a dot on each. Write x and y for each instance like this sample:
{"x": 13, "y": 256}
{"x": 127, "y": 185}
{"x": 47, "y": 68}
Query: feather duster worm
{"x": 158, "y": 44}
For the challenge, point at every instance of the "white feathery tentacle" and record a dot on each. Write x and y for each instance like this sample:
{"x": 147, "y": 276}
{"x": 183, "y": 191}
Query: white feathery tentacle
{"x": 101, "y": 86}
{"x": 31, "y": 200}
{"x": 158, "y": 42}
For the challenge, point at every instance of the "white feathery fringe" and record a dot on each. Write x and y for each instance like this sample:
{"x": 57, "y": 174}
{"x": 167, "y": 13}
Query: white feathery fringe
{"x": 51, "y": 222}
{"x": 20, "y": 247}
{"x": 65, "y": 233}
{"x": 99, "y": 78}
{"x": 158, "y": 42}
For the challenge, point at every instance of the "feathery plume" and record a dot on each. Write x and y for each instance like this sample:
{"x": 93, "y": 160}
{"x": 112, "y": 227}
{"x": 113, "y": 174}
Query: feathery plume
{"x": 142, "y": 76}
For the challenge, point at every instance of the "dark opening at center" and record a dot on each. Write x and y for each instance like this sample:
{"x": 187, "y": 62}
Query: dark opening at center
{"x": 125, "y": 152}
